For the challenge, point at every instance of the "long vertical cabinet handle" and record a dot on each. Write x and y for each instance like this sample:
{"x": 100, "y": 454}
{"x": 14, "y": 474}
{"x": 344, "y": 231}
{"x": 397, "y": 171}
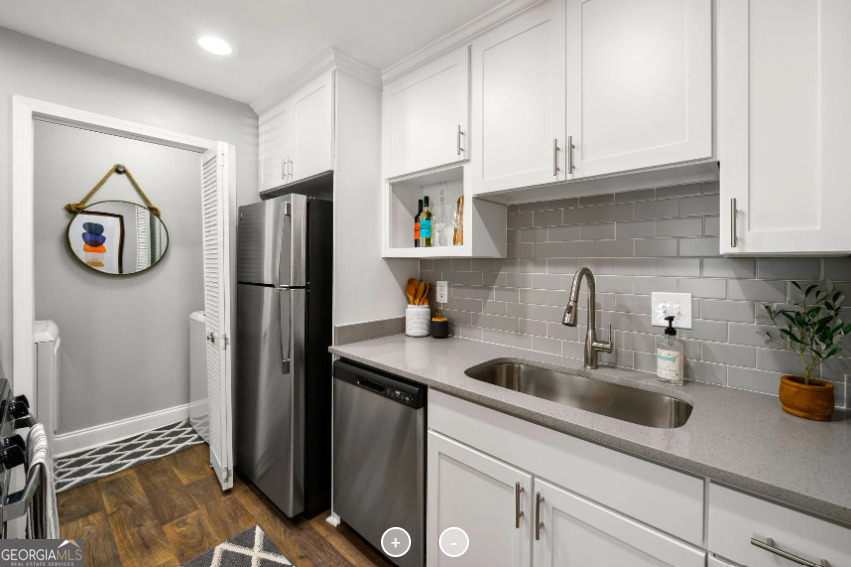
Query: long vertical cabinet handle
{"x": 734, "y": 241}
{"x": 538, "y": 523}
{"x": 518, "y": 513}
{"x": 458, "y": 140}
{"x": 283, "y": 168}
{"x": 290, "y": 168}
{"x": 570, "y": 148}
{"x": 555, "y": 157}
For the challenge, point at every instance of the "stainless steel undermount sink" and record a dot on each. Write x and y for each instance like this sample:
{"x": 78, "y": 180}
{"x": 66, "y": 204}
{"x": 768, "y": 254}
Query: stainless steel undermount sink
{"x": 577, "y": 388}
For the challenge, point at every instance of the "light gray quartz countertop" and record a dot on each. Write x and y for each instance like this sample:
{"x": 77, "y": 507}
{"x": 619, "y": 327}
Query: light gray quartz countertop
{"x": 737, "y": 437}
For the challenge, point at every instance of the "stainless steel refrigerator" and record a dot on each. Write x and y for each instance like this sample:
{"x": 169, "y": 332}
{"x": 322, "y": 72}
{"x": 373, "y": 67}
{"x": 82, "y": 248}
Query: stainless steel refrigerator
{"x": 283, "y": 381}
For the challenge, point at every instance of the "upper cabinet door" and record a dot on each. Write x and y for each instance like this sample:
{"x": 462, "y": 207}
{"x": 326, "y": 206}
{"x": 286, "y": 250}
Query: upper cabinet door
{"x": 312, "y": 110}
{"x": 639, "y": 83}
{"x": 426, "y": 115}
{"x": 571, "y": 531}
{"x": 518, "y": 104}
{"x": 783, "y": 143}
{"x": 275, "y": 146}
{"x": 486, "y": 498}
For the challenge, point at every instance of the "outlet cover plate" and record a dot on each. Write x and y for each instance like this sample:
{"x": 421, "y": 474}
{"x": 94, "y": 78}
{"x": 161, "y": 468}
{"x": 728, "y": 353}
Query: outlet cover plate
{"x": 679, "y": 305}
{"x": 442, "y": 292}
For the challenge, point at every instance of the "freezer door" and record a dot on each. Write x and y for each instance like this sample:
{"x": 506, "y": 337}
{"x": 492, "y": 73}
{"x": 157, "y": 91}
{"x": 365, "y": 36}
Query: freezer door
{"x": 272, "y": 242}
{"x": 270, "y": 392}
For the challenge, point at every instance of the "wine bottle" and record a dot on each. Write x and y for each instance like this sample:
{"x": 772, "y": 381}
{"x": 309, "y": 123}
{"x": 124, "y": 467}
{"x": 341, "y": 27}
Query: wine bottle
{"x": 417, "y": 224}
{"x": 425, "y": 225}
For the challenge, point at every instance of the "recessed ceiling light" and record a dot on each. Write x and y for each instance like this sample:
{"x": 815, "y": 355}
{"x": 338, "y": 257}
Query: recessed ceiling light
{"x": 215, "y": 45}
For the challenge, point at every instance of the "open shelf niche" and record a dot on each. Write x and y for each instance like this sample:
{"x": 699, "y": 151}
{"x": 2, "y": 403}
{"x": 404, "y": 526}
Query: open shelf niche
{"x": 484, "y": 222}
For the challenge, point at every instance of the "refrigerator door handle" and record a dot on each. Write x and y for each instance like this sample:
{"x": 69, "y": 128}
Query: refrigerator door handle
{"x": 286, "y": 333}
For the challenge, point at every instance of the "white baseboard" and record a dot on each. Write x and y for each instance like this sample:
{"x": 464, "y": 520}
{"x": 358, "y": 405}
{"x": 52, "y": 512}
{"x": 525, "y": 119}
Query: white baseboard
{"x": 91, "y": 437}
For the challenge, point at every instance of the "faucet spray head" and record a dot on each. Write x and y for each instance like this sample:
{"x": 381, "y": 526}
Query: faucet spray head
{"x": 570, "y": 314}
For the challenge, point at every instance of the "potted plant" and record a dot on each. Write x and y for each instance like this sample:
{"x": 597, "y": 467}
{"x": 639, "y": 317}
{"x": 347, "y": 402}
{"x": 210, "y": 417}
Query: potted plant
{"x": 811, "y": 328}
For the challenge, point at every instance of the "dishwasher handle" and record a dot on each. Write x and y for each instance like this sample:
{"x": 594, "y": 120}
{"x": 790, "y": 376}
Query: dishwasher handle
{"x": 381, "y": 383}
{"x": 370, "y": 385}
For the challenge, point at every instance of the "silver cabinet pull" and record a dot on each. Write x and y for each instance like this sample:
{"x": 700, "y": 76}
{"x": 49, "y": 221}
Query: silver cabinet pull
{"x": 283, "y": 168}
{"x": 291, "y": 168}
{"x": 570, "y": 148}
{"x": 768, "y": 546}
{"x": 733, "y": 240}
{"x": 458, "y": 140}
{"x": 538, "y": 523}
{"x": 555, "y": 157}
{"x": 518, "y": 513}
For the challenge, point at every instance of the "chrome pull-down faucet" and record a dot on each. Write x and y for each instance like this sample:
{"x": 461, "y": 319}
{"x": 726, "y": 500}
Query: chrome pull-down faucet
{"x": 592, "y": 345}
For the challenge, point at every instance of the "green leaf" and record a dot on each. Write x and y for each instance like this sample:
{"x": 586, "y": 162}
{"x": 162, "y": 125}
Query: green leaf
{"x": 792, "y": 337}
{"x": 796, "y": 284}
{"x": 831, "y": 353}
{"x": 810, "y": 289}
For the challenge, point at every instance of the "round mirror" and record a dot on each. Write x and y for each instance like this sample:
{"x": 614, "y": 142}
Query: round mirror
{"x": 117, "y": 237}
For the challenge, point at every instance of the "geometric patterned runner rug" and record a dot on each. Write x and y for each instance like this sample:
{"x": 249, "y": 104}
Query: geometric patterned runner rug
{"x": 89, "y": 465}
{"x": 251, "y": 548}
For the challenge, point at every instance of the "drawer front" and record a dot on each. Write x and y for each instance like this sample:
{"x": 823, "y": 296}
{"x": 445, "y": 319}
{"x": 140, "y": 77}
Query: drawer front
{"x": 666, "y": 499}
{"x": 735, "y": 518}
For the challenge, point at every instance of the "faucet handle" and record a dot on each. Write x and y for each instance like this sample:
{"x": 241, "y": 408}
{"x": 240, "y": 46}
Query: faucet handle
{"x": 605, "y": 346}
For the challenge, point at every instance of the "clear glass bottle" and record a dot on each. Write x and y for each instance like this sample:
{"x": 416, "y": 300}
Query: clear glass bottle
{"x": 670, "y": 355}
{"x": 425, "y": 225}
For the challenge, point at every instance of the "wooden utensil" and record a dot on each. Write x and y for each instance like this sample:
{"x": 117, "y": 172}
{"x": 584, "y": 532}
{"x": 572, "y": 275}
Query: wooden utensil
{"x": 411, "y": 289}
{"x": 424, "y": 298}
{"x": 420, "y": 292}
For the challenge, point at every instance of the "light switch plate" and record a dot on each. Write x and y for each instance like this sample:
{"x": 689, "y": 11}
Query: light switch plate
{"x": 676, "y": 304}
{"x": 442, "y": 292}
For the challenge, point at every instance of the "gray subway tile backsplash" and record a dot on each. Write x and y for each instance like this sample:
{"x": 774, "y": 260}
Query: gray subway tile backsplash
{"x": 638, "y": 242}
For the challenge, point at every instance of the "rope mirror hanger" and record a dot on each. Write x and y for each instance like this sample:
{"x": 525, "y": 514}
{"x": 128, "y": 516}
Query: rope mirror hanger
{"x": 75, "y": 208}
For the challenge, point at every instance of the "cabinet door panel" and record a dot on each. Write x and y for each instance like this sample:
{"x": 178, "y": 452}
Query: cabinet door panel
{"x": 518, "y": 101}
{"x": 576, "y": 532}
{"x": 639, "y": 83}
{"x": 313, "y": 128}
{"x": 275, "y": 147}
{"x": 474, "y": 492}
{"x": 783, "y": 123}
{"x": 423, "y": 112}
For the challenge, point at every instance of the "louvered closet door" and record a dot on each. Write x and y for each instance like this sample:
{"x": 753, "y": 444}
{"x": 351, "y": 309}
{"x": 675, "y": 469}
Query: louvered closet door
{"x": 216, "y": 185}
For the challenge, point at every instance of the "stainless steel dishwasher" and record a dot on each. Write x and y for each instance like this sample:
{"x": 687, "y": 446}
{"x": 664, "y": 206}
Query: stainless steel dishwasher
{"x": 379, "y": 456}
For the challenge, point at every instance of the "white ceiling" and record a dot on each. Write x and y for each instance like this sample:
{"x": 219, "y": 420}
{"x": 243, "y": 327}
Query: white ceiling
{"x": 274, "y": 38}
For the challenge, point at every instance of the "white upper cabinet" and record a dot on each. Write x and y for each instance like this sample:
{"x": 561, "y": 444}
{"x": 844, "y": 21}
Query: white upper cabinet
{"x": 571, "y": 531}
{"x": 297, "y": 135}
{"x": 313, "y": 128}
{"x": 488, "y": 499}
{"x": 639, "y": 84}
{"x": 275, "y": 147}
{"x": 783, "y": 124}
{"x": 518, "y": 101}
{"x": 426, "y": 115}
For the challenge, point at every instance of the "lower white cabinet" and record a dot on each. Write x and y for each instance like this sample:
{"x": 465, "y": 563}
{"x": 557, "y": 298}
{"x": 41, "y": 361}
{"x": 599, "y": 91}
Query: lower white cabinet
{"x": 515, "y": 519}
{"x": 486, "y": 498}
{"x": 571, "y": 531}
{"x": 755, "y": 532}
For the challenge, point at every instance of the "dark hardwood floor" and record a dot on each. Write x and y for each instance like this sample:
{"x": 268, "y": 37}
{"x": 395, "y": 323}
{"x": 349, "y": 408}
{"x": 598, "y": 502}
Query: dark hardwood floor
{"x": 167, "y": 511}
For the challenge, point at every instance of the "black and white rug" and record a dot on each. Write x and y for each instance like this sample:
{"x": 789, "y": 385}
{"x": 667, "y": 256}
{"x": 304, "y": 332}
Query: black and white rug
{"x": 251, "y": 548}
{"x": 89, "y": 465}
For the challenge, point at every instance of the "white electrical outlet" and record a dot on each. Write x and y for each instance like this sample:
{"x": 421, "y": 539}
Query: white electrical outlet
{"x": 676, "y": 304}
{"x": 442, "y": 292}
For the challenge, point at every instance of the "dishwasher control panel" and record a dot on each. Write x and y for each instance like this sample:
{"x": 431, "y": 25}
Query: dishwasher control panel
{"x": 381, "y": 384}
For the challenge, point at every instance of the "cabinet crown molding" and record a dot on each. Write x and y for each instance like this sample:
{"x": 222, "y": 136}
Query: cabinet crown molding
{"x": 331, "y": 58}
{"x": 457, "y": 38}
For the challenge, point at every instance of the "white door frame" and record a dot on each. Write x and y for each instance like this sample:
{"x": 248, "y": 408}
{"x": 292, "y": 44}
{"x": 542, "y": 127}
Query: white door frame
{"x": 24, "y": 112}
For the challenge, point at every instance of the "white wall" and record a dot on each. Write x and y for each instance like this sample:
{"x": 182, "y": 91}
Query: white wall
{"x": 366, "y": 286}
{"x": 124, "y": 339}
{"x": 40, "y": 70}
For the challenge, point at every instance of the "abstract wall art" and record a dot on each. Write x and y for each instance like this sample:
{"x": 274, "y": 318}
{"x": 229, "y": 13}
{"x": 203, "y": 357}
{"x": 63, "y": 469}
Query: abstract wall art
{"x": 97, "y": 239}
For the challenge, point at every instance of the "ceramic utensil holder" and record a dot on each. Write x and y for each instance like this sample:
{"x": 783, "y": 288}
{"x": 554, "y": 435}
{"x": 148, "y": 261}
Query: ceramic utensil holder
{"x": 417, "y": 320}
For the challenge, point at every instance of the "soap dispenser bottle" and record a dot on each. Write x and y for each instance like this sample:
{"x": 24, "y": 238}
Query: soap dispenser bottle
{"x": 670, "y": 355}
